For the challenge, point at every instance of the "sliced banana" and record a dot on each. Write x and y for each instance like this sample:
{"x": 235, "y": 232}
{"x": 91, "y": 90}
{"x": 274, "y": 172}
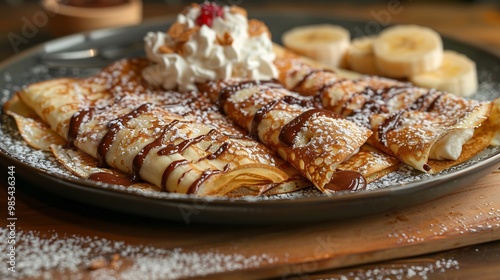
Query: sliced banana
{"x": 360, "y": 56}
{"x": 325, "y": 43}
{"x": 406, "y": 50}
{"x": 457, "y": 75}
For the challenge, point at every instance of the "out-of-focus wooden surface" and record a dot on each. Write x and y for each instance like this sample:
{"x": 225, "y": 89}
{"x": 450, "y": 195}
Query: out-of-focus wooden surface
{"x": 478, "y": 24}
{"x": 467, "y": 218}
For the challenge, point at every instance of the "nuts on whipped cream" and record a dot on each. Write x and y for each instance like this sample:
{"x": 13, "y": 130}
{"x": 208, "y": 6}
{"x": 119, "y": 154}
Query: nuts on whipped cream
{"x": 208, "y": 42}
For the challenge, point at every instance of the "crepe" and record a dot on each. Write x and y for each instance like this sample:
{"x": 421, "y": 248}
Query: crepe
{"x": 371, "y": 163}
{"x": 314, "y": 141}
{"x": 417, "y": 125}
{"x": 125, "y": 125}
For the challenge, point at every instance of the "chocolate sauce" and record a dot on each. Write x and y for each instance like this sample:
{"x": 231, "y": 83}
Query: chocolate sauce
{"x": 289, "y": 131}
{"x": 346, "y": 180}
{"x": 170, "y": 168}
{"x": 301, "y": 101}
{"x": 420, "y": 102}
{"x": 368, "y": 91}
{"x": 391, "y": 92}
{"x": 179, "y": 148}
{"x": 204, "y": 176}
{"x": 373, "y": 105}
{"x": 224, "y": 95}
{"x": 82, "y": 116}
{"x": 259, "y": 115}
{"x": 141, "y": 156}
{"x": 226, "y": 92}
{"x": 427, "y": 167}
{"x": 433, "y": 104}
{"x": 326, "y": 87}
{"x": 389, "y": 124}
{"x": 307, "y": 76}
{"x": 109, "y": 178}
{"x": 218, "y": 152}
{"x": 114, "y": 127}
{"x": 376, "y": 99}
{"x": 418, "y": 105}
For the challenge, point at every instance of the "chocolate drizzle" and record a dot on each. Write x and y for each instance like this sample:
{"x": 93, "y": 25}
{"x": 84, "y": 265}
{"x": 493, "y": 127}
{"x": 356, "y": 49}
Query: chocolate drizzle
{"x": 391, "y": 92}
{"x": 224, "y": 147}
{"x": 179, "y": 148}
{"x": 170, "y": 168}
{"x": 290, "y": 130}
{"x": 346, "y": 180}
{"x": 433, "y": 104}
{"x": 226, "y": 92}
{"x": 389, "y": 124}
{"x": 374, "y": 103}
{"x": 259, "y": 115}
{"x": 169, "y": 150}
{"x": 302, "y": 101}
{"x": 82, "y": 116}
{"x": 141, "y": 156}
{"x": 114, "y": 127}
{"x": 204, "y": 176}
{"x": 322, "y": 90}
{"x": 376, "y": 99}
{"x": 395, "y": 120}
{"x": 110, "y": 178}
{"x": 419, "y": 104}
{"x": 307, "y": 76}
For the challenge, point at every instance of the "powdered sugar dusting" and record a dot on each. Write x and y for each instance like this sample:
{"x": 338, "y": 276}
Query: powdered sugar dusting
{"x": 48, "y": 255}
{"x": 403, "y": 271}
{"x": 12, "y": 144}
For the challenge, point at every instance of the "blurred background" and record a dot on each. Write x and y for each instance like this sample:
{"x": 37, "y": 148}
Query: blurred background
{"x": 26, "y": 23}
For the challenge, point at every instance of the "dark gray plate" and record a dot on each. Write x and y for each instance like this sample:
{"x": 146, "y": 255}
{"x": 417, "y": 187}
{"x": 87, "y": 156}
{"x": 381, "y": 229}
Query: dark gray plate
{"x": 40, "y": 169}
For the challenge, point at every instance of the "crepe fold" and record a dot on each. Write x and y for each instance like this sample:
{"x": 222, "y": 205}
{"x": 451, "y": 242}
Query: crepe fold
{"x": 154, "y": 136}
{"x": 424, "y": 128}
{"x": 315, "y": 141}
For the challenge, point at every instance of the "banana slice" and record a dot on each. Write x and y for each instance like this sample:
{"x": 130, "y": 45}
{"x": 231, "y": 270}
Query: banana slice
{"x": 360, "y": 56}
{"x": 457, "y": 75}
{"x": 406, "y": 50}
{"x": 325, "y": 43}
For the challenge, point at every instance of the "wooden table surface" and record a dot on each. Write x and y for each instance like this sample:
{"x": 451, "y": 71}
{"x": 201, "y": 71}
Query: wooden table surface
{"x": 453, "y": 237}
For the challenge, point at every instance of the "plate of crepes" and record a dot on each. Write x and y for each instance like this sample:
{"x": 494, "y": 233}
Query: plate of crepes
{"x": 225, "y": 117}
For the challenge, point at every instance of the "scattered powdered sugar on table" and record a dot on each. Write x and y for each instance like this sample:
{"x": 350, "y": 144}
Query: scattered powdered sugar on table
{"x": 49, "y": 255}
{"x": 401, "y": 271}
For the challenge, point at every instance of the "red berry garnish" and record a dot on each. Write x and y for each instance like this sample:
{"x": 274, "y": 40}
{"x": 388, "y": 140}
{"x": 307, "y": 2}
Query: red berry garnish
{"x": 208, "y": 12}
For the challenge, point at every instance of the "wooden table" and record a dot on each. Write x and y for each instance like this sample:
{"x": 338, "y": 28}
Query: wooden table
{"x": 456, "y": 236}
{"x": 453, "y": 236}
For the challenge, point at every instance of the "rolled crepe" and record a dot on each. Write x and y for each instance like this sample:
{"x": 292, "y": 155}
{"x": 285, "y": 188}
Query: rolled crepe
{"x": 369, "y": 162}
{"x": 314, "y": 141}
{"x": 414, "y": 124}
{"x": 125, "y": 125}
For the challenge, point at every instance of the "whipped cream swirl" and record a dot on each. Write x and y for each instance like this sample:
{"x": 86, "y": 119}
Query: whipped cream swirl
{"x": 204, "y": 57}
